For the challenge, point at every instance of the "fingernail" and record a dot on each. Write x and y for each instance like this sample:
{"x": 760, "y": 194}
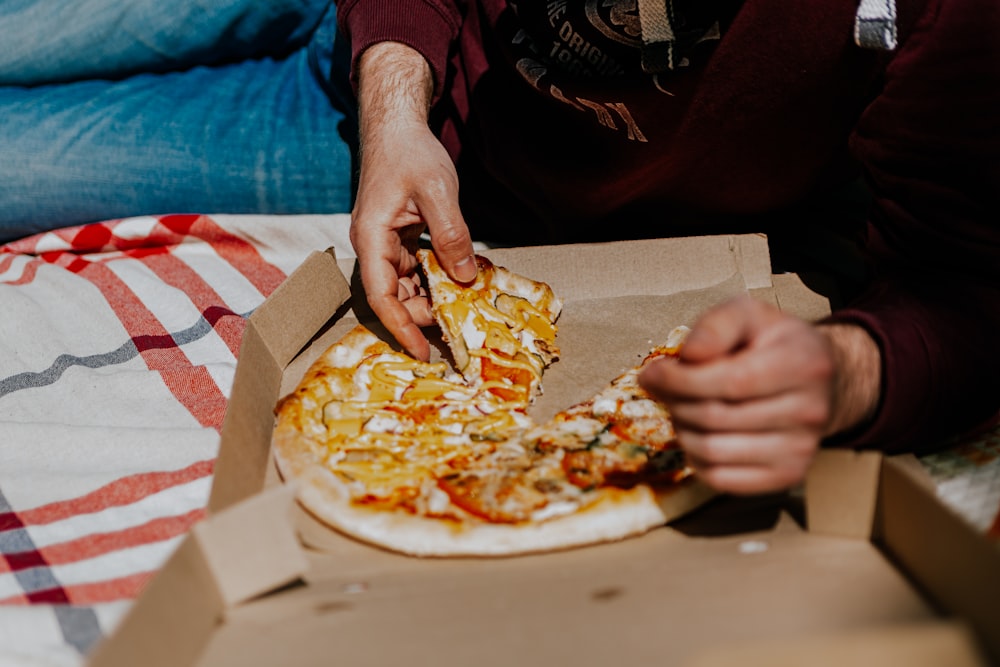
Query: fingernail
{"x": 466, "y": 270}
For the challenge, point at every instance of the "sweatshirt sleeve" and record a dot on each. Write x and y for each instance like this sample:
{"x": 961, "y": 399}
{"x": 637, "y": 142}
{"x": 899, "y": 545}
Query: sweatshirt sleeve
{"x": 429, "y": 26}
{"x": 930, "y": 145}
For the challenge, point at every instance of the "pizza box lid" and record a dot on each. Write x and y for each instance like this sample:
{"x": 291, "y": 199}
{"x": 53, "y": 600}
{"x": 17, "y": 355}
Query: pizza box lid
{"x": 884, "y": 572}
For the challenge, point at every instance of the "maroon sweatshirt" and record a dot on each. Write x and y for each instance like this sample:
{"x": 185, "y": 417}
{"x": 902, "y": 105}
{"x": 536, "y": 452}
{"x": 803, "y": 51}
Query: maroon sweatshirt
{"x": 560, "y": 135}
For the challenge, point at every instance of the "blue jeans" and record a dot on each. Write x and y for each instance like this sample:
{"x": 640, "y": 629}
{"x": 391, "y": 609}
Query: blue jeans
{"x": 115, "y": 108}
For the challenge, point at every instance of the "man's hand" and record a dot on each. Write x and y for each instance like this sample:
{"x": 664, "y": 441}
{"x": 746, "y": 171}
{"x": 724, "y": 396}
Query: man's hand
{"x": 407, "y": 184}
{"x": 755, "y": 391}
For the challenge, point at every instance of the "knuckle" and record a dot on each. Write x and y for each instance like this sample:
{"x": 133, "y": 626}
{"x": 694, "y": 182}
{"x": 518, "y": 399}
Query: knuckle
{"x": 439, "y": 188}
{"x": 711, "y": 450}
{"x": 821, "y": 367}
{"x": 815, "y": 414}
{"x": 450, "y": 238}
{"x": 449, "y": 235}
{"x": 716, "y": 414}
{"x": 738, "y": 383}
{"x": 800, "y": 451}
{"x": 690, "y": 440}
{"x": 702, "y": 415}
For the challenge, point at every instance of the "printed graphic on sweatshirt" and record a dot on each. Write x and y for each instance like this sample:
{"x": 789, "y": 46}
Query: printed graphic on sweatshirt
{"x": 561, "y": 45}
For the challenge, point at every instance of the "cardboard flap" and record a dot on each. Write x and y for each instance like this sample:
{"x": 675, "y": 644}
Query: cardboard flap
{"x": 297, "y": 309}
{"x": 754, "y": 260}
{"x": 956, "y": 565}
{"x": 794, "y": 296}
{"x": 246, "y": 551}
{"x": 251, "y": 548}
{"x": 170, "y": 624}
{"x": 841, "y": 492}
{"x": 244, "y": 445}
{"x": 913, "y": 645}
{"x": 649, "y": 267}
{"x": 276, "y": 332}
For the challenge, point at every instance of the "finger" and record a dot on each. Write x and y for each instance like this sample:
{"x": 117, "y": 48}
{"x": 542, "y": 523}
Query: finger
{"x": 410, "y": 287}
{"x": 419, "y": 308}
{"x": 450, "y": 237}
{"x": 782, "y": 411}
{"x": 750, "y": 374}
{"x": 415, "y": 299}
{"x": 771, "y": 449}
{"x": 748, "y": 480}
{"x": 382, "y": 288}
{"x": 724, "y": 329}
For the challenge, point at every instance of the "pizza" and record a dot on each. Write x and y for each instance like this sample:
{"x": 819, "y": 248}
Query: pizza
{"x": 427, "y": 460}
{"x": 501, "y": 327}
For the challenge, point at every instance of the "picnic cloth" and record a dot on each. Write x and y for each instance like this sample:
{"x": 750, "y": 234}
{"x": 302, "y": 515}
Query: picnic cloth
{"x": 118, "y": 345}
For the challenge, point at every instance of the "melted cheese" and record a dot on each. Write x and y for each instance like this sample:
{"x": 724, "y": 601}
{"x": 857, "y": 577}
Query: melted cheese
{"x": 504, "y": 361}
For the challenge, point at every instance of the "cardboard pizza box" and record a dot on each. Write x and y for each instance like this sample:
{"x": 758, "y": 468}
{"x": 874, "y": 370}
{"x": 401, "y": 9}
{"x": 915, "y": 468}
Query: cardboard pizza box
{"x": 865, "y": 566}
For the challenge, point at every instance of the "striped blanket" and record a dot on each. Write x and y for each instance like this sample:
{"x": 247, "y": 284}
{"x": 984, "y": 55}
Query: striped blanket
{"x": 118, "y": 343}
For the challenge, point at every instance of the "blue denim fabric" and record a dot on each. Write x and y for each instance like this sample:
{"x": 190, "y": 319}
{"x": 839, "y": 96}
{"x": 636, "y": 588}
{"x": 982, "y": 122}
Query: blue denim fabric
{"x": 201, "y": 106}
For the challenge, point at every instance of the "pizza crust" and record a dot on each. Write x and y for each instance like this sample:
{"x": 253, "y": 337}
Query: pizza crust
{"x": 617, "y": 515}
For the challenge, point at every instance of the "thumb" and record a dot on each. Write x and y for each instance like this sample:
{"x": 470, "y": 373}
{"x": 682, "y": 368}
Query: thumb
{"x": 455, "y": 254}
{"x": 451, "y": 240}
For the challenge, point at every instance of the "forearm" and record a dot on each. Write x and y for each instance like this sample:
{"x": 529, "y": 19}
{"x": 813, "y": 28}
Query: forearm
{"x": 430, "y": 27}
{"x": 395, "y": 87}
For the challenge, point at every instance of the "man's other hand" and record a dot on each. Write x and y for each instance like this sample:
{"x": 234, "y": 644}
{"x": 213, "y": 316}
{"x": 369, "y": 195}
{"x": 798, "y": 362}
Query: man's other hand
{"x": 756, "y": 390}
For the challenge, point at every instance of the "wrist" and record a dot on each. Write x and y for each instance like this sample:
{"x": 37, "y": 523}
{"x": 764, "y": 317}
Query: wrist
{"x": 857, "y": 380}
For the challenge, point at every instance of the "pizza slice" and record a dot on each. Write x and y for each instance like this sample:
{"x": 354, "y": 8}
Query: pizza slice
{"x": 621, "y": 436}
{"x": 500, "y": 328}
{"x": 617, "y": 440}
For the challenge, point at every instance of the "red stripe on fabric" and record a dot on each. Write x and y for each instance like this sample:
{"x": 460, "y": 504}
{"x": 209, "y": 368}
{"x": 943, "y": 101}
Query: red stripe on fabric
{"x": 25, "y": 246}
{"x": 81, "y": 238}
{"x": 122, "y": 588}
{"x": 56, "y": 595}
{"x": 195, "y": 388}
{"x": 122, "y": 491}
{"x": 99, "y": 544}
{"x": 240, "y": 254}
{"x": 181, "y": 223}
{"x": 28, "y": 273}
{"x": 176, "y": 273}
{"x": 14, "y": 600}
{"x": 173, "y": 230}
{"x": 137, "y": 319}
{"x": 87, "y": 241}
{"x": 111, "y": 590}
{"x": 91, "y": 238}
{"x": 22, "y": 560}
{"x": 154, "y": 342}
{"x": 12, "y": 521}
